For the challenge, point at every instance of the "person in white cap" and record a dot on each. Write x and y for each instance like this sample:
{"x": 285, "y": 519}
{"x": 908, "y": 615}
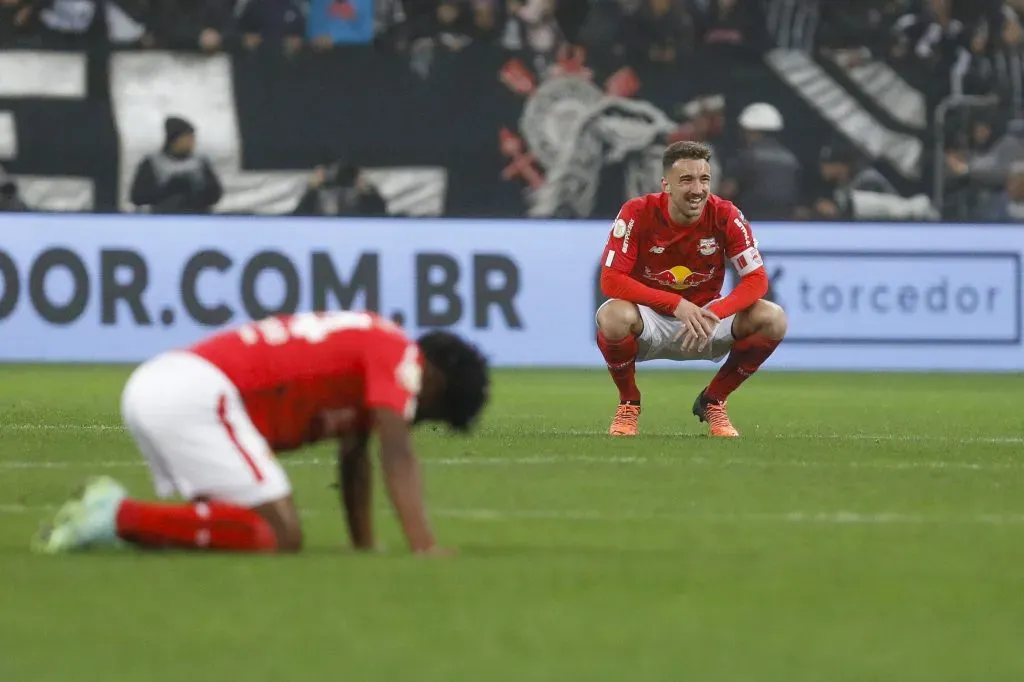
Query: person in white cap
{"x": 764, "y": 176}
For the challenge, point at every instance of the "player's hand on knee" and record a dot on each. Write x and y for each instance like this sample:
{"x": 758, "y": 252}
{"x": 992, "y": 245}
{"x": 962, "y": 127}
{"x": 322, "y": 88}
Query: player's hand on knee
{"x": 709, "y": 321}
{"x": 691, "y": 340}
{"x": 696, "y": 329}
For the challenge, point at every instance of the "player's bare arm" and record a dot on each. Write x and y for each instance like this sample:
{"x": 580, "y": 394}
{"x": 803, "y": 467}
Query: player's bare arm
{"x": 355, "y": 471}
{"x": 402, "y": 480}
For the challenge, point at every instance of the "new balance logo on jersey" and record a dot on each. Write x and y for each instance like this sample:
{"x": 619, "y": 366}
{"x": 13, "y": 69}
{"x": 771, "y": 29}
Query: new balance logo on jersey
{"x": 657, "y": 249}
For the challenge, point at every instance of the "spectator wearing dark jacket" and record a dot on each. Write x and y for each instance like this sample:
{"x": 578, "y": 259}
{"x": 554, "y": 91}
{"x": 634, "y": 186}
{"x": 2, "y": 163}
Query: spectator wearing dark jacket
{"x": 1007, "y": 206}
{"x": 188, "y": 24}
{"x": 340, "y": 190}
{"x": 175, "y": 180}
{"x": 271, "y": 22}
{"x": 764, "y": 176}
{"x": 841, "y": 172}
{"x": 662, "y": 30}
{"x": 731, "y": 27}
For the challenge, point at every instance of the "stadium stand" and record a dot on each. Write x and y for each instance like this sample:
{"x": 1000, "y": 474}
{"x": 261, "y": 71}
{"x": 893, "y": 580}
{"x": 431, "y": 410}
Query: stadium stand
{"x": 892, "y": 109}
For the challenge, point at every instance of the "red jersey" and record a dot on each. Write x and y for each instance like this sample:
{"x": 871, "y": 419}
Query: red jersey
{"x": 291, "y": 368}
{"x": 688, "y": 260}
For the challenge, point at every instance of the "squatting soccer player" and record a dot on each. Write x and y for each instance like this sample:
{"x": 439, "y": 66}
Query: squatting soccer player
{"x": 663, "y": 270}
{"x": 210, "y": 419}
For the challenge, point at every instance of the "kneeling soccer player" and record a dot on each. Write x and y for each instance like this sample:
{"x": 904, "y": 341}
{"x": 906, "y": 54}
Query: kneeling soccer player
{"x": 210, "y": 419}
{"x": 663, "y": 270}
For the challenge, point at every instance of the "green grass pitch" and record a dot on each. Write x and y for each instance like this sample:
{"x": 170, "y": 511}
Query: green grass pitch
{"x": 865, "y": 528}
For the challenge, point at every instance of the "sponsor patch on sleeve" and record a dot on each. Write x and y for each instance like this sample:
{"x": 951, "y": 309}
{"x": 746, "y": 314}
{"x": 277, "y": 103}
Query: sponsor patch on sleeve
{"x": 628, "y": 231}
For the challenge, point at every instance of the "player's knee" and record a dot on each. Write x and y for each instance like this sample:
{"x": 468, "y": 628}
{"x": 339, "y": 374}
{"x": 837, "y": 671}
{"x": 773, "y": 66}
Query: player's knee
{"x": 618, "y": 319}
{"x": 764, "y": 318}
{"x": 772, "y": 320}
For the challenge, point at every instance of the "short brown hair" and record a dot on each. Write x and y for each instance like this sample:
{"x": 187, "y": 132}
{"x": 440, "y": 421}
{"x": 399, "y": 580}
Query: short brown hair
{"x": 697, "y": 151}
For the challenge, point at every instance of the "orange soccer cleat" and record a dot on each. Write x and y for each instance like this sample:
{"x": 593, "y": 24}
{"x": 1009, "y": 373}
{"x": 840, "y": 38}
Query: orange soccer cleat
{"x": 713, "y": 412}
{"x": 626, "y": 422}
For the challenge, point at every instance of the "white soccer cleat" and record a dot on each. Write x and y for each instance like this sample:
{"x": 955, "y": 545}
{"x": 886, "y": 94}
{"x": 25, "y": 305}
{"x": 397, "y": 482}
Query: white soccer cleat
{"x": 86, "y": 521}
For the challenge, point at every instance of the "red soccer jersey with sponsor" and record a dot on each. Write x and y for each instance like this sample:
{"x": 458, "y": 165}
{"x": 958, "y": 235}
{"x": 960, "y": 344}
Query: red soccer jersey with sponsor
{"x": 291, "y": 368}
{"x": 688, "y": 260}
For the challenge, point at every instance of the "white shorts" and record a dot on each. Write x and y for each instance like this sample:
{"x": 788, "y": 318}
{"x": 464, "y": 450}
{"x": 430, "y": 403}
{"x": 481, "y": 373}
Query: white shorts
{"x": 657, "y": 341}
{"x": 190, "y": 423}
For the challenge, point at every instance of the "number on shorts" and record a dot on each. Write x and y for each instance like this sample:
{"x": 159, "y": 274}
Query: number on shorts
{"x": 310, "y": 327}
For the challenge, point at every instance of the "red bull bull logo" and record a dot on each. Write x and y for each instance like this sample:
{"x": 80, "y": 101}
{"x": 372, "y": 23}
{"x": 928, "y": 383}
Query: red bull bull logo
{"x": 679, "y": 277}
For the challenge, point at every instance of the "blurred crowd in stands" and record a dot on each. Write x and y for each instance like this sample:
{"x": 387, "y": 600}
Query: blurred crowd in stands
{"x": 966, "y": 55}
{"x": 662, "y": 30}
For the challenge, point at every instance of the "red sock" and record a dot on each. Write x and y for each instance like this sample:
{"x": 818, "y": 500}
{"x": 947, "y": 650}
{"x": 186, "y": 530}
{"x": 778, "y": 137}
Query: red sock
{"x": 203, "y": 525}
{"x": 746, "y": 356}
{"x": 621, "y": 359}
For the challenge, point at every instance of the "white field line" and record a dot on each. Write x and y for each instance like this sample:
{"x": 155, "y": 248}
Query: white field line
{"x": 751, "y": 435}
{"x": 829, "y": 518}
{"x": 15, "y": 427}
{"x": 542, "y": 460}
{"x": 789, "y": 517}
